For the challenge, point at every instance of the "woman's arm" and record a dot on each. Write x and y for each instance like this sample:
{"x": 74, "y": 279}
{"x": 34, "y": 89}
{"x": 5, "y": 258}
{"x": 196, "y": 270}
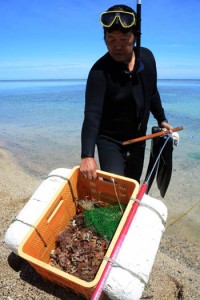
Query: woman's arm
{"x": 95, "y": 91}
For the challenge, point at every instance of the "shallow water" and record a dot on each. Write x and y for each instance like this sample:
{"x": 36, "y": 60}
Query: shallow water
{"x": 40, "y": 121}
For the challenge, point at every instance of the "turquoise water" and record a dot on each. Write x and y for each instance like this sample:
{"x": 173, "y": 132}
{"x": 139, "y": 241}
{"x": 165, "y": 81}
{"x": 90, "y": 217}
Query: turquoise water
{"x": 40, "y": 121}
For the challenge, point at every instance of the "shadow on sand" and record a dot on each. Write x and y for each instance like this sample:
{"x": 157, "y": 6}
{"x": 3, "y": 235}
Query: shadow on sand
{"x": 29, "y": 275}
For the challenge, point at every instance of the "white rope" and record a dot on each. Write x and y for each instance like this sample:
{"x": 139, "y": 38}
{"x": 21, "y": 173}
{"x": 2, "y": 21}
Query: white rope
{"x": 116, "y": 264}
{"x": 25, "y": 223}
{"x": 152, "y": 209}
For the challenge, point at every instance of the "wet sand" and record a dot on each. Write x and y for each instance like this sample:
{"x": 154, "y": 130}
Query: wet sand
{"x": 176, "y": 272}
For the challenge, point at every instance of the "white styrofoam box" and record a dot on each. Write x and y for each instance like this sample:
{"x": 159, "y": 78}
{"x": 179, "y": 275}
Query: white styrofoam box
{"x": 136, "y": 256}
{"x": 34, "y": 208}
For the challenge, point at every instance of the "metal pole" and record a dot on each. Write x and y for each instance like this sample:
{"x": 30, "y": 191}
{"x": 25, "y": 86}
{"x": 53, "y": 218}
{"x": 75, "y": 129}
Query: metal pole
{"x": 138, "y": 40}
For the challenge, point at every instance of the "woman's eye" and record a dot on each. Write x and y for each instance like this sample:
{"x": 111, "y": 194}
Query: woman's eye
{"x": 124, "y": 40}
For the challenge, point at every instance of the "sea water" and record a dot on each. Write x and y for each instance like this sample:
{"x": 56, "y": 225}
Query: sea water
{"x": 40, "y": 121}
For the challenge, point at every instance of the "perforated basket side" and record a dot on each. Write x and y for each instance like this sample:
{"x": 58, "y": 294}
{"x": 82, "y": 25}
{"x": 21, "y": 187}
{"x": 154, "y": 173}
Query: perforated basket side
{"x": 42, "y": 240}
{"x": 107, "y": 187}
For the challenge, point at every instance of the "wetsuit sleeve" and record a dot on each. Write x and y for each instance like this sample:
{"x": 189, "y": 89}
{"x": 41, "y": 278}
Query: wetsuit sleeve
{"x": 156, "y": 104}
{"x": 157, "y": 109}
{"x": 94, "y": 100}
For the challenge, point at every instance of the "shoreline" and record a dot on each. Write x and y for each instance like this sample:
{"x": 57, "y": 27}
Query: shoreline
{"x": 175, "y": 274}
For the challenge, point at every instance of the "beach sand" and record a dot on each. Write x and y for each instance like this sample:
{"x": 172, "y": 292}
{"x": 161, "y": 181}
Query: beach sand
{"x": 176, "y": 272}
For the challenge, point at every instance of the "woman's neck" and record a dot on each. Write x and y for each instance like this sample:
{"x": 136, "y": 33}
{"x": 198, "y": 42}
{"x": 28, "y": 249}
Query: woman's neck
{"x": 131, "y": 63}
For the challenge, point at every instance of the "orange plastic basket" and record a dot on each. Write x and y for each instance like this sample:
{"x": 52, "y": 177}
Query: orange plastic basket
{"x": 39, "y": 242}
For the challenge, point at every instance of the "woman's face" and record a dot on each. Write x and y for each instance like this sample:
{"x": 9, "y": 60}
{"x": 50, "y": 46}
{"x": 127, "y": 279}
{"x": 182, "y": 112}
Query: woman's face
{"x": 120, "y": 45}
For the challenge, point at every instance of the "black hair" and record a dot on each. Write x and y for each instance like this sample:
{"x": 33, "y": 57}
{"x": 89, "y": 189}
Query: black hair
{"x": 117, "y": 26}
{"x": 121, "y": 7}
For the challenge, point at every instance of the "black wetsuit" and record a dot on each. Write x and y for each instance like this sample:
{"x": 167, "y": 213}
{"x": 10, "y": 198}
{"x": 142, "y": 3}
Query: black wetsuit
{"x": 117, "y": 108}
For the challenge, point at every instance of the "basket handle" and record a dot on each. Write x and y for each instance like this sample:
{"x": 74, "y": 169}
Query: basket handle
{"x": 107, "y": 178}
{"x": 54, "y": 210}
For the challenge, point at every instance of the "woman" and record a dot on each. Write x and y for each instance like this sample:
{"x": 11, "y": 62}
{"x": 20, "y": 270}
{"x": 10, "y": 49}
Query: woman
{"x": 120, "y": 94}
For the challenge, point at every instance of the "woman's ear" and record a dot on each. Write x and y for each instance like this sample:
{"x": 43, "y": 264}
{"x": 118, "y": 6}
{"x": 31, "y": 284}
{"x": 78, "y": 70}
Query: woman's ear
{"x": 135, "y": 40}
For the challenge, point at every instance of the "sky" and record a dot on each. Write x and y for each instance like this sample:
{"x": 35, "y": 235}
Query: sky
{"x": 62, "y": 39}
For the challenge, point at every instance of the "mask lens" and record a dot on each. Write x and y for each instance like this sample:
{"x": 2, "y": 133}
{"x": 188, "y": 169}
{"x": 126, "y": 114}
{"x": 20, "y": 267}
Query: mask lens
{"x": 107, "y": 19}
{"x": 127, "y": 20}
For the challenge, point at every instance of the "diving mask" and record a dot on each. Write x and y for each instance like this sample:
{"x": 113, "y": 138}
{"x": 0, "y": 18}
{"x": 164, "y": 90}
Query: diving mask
{"x": 126, "y": 19}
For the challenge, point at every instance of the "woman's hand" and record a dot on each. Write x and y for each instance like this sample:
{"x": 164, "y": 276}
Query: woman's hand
{"x": 88, "y": 168}
{"x": 166, "y": 125}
